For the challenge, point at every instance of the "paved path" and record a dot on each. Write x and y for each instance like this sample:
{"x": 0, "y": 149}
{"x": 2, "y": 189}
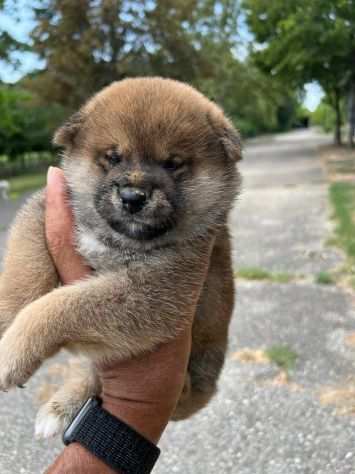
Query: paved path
{"x": 254, "y": 426}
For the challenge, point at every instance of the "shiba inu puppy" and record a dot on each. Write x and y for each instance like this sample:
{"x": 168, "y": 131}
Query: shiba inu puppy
{"x": 151, "y": 170}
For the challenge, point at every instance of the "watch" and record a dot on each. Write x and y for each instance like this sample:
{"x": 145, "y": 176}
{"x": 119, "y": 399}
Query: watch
{"x": 111, "y": 440}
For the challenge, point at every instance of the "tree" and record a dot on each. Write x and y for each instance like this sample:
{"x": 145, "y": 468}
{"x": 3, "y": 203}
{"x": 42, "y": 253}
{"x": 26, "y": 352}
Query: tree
{"x": 24, "y": 126}
{"x": 254, "y": 101}
{"x": 89, "y": 43}
{"x": 82, "y": 44}
{"x": 305, "y": 40}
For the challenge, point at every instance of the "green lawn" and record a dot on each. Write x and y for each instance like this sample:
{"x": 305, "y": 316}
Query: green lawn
{"x": 324, "y": 278}
{"x": 26, "y": 183}
{"x": 255, "y": 273}
{"x": 342, "y": 196}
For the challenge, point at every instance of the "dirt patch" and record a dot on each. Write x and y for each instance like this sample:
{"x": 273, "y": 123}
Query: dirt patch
{"x": 342, "y": 398}
{"x": 339, "y": 163}
{"x": 282, "y": 379}
{"x": 350, "y": 340}
{"x": 251, "y": 356}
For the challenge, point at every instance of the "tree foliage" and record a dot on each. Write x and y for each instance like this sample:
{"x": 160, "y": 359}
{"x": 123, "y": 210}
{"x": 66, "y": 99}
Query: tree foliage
{"x": 305, "y": 40}
{"x": 24, "y": 126}
{"x": 88, "y": 44}
{"x": 324, "y": 116}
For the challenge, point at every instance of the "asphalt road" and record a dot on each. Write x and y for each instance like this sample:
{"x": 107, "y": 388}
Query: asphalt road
{"x": 254, "y": 426}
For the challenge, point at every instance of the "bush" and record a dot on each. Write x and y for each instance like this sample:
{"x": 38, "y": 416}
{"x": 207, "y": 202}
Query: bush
{"x": 324, "y": 116}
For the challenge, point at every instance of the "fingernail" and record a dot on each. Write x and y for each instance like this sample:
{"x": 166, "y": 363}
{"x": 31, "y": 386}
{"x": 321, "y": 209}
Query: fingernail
{"x": 50, "y": 174}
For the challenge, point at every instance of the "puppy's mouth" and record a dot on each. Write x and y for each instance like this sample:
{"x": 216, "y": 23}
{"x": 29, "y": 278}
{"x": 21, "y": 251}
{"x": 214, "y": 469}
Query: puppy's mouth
{"x": 141, "y": 230}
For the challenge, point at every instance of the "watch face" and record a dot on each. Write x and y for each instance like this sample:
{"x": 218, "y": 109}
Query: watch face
{"x": 70, "y": 432}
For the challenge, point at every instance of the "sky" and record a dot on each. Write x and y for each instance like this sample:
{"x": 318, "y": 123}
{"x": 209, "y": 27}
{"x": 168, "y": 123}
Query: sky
{"x": 20, "y": 31}
{"x": 29, "y": 62}
{"x": 314, "y": 94}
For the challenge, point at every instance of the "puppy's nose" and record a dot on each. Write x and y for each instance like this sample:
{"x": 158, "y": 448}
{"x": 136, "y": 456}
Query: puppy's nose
{"x": 133, "y": 199}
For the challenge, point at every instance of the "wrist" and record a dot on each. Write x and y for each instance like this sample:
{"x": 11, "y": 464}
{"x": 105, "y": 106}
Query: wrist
{"x": 148, "y": 419}
{"x": 77, "y": 459}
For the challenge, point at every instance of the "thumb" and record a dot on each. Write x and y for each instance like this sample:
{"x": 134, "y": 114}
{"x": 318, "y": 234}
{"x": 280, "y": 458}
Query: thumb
{"x": 59, "y": 228}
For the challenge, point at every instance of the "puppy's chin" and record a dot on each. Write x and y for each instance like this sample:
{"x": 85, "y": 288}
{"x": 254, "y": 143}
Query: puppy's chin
{"x": 141, "y": 231}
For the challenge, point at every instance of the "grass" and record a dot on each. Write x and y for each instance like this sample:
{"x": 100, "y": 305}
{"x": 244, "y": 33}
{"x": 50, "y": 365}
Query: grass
{"x": 324, "y": 278}
{"x": 282, "y": 356}
{"x": 26, "y": 183}
{"x": 342, "y": 196}
{"x": 254, "y": 273}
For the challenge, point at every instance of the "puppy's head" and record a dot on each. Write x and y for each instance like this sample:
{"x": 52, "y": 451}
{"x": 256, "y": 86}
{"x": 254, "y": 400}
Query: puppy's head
{"x": 149, "y": 160}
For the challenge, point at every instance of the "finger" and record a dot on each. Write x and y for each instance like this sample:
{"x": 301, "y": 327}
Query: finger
{"x": 59, "y": 220}
{"x": 59, "y": 229}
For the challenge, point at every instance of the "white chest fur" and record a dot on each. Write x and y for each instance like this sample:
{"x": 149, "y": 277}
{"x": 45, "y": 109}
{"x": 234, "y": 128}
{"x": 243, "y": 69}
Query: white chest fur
{"x": 89, "y": 246}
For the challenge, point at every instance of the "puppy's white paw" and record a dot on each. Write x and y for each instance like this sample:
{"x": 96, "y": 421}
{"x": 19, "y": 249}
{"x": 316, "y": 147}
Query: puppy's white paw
{"x": 48, "y": 423}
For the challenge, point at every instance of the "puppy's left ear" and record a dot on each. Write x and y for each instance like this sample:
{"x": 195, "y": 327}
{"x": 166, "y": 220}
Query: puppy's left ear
{"x": 227, "y": 136}
{"x": 231, "y": 142}
{"x": 66, "y": 134}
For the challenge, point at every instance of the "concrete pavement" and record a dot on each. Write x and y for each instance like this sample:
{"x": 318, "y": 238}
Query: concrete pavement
{"x": 255, "y": 426}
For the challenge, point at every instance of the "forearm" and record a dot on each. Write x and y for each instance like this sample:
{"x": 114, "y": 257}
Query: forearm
{"x": 75, "y": 459}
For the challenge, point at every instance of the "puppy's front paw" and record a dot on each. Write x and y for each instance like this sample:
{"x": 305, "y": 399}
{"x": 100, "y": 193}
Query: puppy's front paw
{"x": 14, "y": 372}
{"x": 49, "y": 422}
{"x": 17, "y": 363}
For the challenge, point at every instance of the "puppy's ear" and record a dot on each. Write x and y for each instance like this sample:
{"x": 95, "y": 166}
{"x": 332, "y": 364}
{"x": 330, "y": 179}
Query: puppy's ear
{"x": 231, "y": 142}
{"x": 66, "y": 134}
{"x": 227, "y": 136}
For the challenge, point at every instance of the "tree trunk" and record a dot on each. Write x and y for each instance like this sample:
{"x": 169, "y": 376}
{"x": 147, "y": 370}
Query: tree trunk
{"x": 338, "y": 122}
{"x": 351, "y": 113}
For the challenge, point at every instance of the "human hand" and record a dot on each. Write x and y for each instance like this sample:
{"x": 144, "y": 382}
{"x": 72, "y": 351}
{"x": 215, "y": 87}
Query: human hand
{"x": 144, "y": 391}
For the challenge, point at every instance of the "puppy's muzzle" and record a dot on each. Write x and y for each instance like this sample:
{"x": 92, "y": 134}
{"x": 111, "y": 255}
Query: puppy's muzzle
{"x": 133, "y": 199}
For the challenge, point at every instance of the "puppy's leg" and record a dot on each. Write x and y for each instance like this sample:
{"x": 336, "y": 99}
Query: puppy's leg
{"x": 28, "y": 269}
{"x": 200, "y": 383}
{"x": 108, "y": 317}
{"x": 80, "y": 383}
{"x": 210, "y": 331}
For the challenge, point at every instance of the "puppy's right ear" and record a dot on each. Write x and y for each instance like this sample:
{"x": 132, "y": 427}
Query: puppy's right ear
{"x": 66, "y": 134}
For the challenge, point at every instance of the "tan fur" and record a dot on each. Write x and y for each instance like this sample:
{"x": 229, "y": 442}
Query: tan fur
{"x": 143, "y": 292}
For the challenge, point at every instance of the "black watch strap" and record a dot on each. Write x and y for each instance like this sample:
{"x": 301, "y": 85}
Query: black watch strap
{"x": 111, "y": 440}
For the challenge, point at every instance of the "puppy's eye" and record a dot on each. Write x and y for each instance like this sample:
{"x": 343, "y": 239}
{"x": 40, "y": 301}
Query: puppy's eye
{"x": 173, "y": 163}
{"x": 113, "y": 157}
